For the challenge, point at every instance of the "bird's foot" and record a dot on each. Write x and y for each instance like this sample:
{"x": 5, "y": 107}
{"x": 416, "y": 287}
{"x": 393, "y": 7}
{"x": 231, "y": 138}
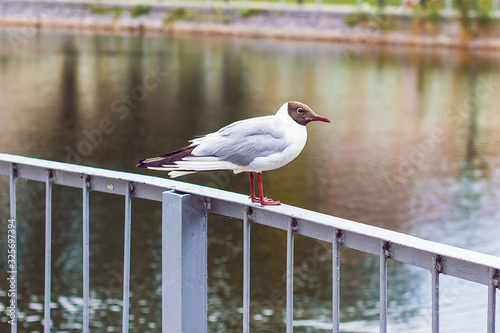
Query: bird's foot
{"x": 265, "y": 201}
{"x": 269, "y": 202}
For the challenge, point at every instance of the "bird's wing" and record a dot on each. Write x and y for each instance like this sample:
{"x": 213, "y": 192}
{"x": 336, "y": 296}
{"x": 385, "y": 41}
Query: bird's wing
{"x": 243, "y": 141}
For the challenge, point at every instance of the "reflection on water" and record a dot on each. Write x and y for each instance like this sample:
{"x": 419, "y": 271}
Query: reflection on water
{"x": 412, "y": 147}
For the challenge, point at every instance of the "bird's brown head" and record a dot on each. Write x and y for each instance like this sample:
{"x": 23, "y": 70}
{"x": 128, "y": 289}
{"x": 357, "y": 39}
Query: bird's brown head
{"x": 302, "y": 114}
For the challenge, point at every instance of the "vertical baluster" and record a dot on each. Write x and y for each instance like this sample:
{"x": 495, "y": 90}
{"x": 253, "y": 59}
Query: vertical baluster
{"x": 164, "y": 267}
{"x": 246, "y": 269}
{"x": 336, "y": 280}
{"x": 492, "y": 300}
{"x": 292, "y": 228}
{"x": 126, "y": 257}
{"x": 384, "y": 254}
{"x": 436, "y": 269}
{"x": 86, "y": 254}
{"x": 48, "y": 249}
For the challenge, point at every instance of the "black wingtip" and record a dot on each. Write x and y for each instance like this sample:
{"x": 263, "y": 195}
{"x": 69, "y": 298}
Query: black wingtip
{"x": 166, "y": 159}
{"x": 152, "y": 162}
{"x": 141, "y": 164}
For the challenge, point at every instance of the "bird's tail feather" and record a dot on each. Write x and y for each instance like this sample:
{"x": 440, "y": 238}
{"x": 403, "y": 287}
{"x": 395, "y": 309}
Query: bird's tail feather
{"x": 165, "y": 160}
{"x": 181, "y": 162}
{"x": 175, "y": 174}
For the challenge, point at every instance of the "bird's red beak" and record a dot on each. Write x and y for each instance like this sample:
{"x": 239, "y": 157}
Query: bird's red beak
{"x": 321, "y": 118}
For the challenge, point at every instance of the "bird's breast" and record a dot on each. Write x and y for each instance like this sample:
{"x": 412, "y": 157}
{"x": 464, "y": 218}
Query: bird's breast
{"x": 296, "y": 141}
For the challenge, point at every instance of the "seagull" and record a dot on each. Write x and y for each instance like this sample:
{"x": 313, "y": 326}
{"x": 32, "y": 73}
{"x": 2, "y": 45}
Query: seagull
{"x": 252, "y": 145}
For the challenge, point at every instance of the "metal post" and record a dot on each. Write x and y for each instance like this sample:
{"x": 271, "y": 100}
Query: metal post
{"x": 126, "y": 257}
{"x": 246, "y": 269}
{"x": 336, "y": 281}
{"x": 48, "y": 249}
{"x": 492, "y": 300}
{"x": 292, "y": 226}
{"x": 13, "y": 267}
{"x": 86, "y": 261}
{"x": 184, "y": 263}
{"x": 436, "y": 269}
{"x": 384, "y": 254}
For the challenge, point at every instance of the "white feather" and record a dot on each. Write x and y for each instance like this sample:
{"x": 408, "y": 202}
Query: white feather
{"x": 175, "y": 174}
{"x": 194, "y": 164}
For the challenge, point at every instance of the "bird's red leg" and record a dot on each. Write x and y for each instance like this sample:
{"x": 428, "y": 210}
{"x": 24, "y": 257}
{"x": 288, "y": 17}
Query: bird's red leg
{"x": 252, "y": 190}
{"x": 263, "y": 200}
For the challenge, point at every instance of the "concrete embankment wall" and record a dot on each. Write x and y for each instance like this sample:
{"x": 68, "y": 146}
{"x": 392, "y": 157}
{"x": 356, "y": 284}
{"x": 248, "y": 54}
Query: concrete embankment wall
{"x": 308, "y": 22}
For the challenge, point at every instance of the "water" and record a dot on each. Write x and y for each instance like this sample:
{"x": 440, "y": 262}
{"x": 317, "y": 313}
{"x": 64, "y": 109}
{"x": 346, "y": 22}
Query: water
{"x": 412, "y": 147}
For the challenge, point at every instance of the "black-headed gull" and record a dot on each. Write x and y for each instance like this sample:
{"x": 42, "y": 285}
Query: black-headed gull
{"x": 251, "y": 145}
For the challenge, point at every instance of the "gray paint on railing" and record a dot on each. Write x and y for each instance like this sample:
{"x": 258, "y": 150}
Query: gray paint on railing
{"x": 438, "y": 258}
{"x": 336, "y": 235}
{"x": 126, "y": 257}
{"x": 492, "y": 299}
{"x": 184, "y": 263}
{"x": 86, "y": 185}
{"x": 384, "y": 254}
{"x": 246, "y": 269}
{"x": 289, "y": 274}
{"x": 436, "y": 269}
{"x": 48, "y": 250}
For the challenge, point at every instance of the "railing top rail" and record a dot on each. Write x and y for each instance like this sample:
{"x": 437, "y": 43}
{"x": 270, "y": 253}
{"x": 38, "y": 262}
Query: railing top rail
{"x": 465, "y": 264}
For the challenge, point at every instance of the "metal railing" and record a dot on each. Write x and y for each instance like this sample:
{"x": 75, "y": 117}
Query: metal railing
{"x": 184, "y": 243}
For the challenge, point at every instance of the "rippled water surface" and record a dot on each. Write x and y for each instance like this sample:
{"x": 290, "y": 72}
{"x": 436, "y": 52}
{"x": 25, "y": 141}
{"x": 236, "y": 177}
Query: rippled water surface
{"x": 413, "y": 147}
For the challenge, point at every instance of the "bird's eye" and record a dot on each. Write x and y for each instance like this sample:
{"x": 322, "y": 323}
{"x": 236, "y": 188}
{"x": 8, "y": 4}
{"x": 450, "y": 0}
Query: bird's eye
{"x": 300, "y": 110}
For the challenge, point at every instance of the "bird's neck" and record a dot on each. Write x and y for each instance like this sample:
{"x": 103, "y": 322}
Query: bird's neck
{"x": 283, "y": 115}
